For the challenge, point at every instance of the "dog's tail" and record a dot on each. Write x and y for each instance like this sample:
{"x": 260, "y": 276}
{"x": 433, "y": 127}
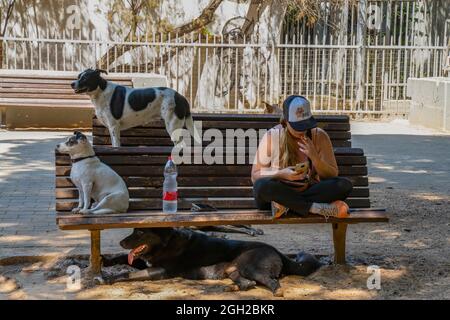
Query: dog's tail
{"x": 192, "y": 129}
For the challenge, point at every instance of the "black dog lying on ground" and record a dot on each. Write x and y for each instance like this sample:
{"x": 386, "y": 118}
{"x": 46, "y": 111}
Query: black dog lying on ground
{"x": 164, "y": 253}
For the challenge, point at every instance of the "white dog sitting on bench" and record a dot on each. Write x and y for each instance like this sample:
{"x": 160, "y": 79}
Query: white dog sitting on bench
{"x": 94, "y": 179}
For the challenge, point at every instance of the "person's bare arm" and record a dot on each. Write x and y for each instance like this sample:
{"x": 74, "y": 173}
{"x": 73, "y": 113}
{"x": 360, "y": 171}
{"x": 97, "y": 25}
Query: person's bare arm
{"x": 262, "y": 159}
{"x": 262, "y": 166}
{"x": 323, "y": 159}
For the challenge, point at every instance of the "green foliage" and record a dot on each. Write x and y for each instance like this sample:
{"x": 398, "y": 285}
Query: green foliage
{"x": 206, "y": 32}
{"x": 311, "y": 11}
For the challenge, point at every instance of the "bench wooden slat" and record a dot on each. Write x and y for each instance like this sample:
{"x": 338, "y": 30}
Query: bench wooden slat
{"x": 161, "y": 132}
{"x": 210, "y": 171}
{"x": 333, "y": 128}
{"x": 42, "y": 81}
{"x": 72, "y": 193}
{"x": 166, "y": 150}
{"x": 131, "y": 141}
{"x": 62, "y": 160}
{"x": 224, "y": 117}
{"x": 64, "y": 182}
{"x": 43, "y": 90}
{"x": 44, "y": 96}
{"x": 22, "y": 83}
{"x": 186, "y": 203}
{"x": 39, "y": 74}
{"x": 186, "y": 219}
{"x": 216, "y": 124}
{"x": 45, "y": 103}
{"x": 234, "y": 117}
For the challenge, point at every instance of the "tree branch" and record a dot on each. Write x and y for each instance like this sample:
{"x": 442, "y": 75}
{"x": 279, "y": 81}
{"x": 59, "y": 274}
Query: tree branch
{"x": 9, "y": 11}
{"x": 202, "y": 20}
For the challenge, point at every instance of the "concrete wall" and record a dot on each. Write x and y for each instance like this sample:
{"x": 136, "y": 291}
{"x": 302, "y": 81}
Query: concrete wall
{"x": 430, "y": 102}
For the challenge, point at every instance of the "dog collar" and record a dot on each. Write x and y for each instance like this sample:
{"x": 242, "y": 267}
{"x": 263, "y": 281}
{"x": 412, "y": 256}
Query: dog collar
{"x": 79, "y": 159}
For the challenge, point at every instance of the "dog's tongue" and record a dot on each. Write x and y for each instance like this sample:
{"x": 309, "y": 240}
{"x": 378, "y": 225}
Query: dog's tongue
{"x": 135, "y": 252}
{"x": 131, "y": 257}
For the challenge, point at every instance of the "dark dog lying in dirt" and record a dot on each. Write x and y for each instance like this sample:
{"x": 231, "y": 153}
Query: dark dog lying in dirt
{"x": 164, "y": 253}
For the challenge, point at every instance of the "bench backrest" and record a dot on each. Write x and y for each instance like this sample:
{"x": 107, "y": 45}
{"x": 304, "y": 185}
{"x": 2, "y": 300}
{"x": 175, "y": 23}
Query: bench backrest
{"x": 224, "y": 186}
{"x": 155, "y": 134}
{"x": 45, "y": 85}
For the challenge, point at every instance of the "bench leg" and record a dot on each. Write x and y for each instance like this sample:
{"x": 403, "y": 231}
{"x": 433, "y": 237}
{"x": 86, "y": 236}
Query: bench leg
{"x": 96, "y": 260}
{"x": 339, "y": 235}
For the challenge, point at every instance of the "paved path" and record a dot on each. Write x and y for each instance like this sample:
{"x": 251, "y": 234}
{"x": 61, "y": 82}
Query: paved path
{"x": 399, "y": 155}
{"x": 27, "y": 218}
{"x": 404, "y": 156}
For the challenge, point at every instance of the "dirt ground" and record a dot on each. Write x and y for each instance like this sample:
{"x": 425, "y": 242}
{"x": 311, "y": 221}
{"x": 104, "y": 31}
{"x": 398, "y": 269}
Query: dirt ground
{"x": 412, "y": 252}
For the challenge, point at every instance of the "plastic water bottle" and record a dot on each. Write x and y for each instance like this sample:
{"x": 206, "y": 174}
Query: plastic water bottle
{"x": 170, "y": 192}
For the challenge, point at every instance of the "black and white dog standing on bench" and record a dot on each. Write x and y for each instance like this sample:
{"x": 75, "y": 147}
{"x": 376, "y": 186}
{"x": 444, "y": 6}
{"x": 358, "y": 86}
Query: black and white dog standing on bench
{"x": 120, "y": 108}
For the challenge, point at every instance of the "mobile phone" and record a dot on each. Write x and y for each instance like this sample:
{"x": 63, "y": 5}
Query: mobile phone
{"x": 202, "y": 207}
{"x": 302, "y": 167}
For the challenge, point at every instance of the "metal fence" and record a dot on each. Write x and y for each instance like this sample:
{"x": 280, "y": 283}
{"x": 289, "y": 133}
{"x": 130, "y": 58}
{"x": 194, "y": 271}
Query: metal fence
{"x": 362, "y": 65}
{"x": 339, "y": 71}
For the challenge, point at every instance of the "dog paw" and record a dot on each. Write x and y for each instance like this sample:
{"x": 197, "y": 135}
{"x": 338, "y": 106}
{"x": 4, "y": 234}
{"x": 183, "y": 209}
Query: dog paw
{"x": 278, "y": 293}
{"x": 85, "y": 211}
{"x": 76, "y": 210}
{"x": 104, "y": 280}
{"x": 259, "y": 232}
{"x": 99, "y": 281}
{"x": 247, "y": 285}
{"x": 232, "y": 288}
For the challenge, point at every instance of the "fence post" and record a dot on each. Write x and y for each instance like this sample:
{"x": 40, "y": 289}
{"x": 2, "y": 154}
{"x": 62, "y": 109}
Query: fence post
{"x": 361, "y": 53}
{"x": 1, "y": 54}
{"x": 446, "y": 55}
{"x": 3, "y": 58}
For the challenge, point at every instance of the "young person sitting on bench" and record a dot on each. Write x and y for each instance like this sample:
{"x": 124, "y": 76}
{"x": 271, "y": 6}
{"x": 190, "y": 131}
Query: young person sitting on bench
{"x": 295, "y": 168}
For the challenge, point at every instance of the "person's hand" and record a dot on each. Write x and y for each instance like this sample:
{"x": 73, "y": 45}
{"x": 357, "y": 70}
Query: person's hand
{"x": 307, "y": 147}
{"x": 289, "y": 174}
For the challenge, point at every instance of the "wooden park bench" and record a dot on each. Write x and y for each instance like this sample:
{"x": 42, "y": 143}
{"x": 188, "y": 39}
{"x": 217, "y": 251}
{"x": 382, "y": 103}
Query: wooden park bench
{"x": 32, "y": 88}
{"x": 227, "y": 187}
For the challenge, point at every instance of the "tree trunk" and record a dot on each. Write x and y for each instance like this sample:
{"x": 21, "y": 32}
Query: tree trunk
{"x": 361, "y": 54}
{"x": 340, "y": 65}
{"x": 9, "y": 11}
{"x": 255, "y": 9}
{"x": 2, "y": 64}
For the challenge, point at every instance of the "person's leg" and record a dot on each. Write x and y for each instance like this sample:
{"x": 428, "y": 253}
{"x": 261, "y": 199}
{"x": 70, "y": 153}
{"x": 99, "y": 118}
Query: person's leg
{"x": 329, "y": 190}
{"x": 259, "y": 193}
{"x": 327, "y": 197}
{"x": 326, "y": 191}
{"x": 268, "y": 189}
